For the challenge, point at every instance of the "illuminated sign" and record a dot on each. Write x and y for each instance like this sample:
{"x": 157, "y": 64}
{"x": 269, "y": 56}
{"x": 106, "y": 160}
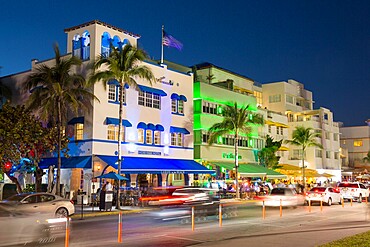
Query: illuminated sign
{"x": 230, "y": 156}
{"x": 149, "y": 152}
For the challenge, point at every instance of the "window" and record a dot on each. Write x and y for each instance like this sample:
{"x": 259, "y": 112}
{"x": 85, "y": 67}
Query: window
{"x": 112, "y": 92}
{"x": 79, "y": 131}
{"x": 177, "y": 139}
{"x": 157, "y": 138}
{"x": 297, "y": 154}
{"x": 328, "y": 154}
{"x": 327, "y": 135}
{"x": 289, "y": 99}
{"x": 180, "y": 106}
{"x": 177, "y": 176}
{"x": 113, "y": 132}
{"x": 318, "y": 153}
{"x": 336, "y": 155}
{"x": 210, "y": 108}
{"x": 173, "y": 105}
{"x": 357, "y": 143}
{"x": 105, "y": 44}
{"x": 149, "y": 99}
{"x": 269, "y": 128}
{"x": 149, "y": 136}
{"x": 335, "y": 136}
{"x": 85, "y": 45}
{"x": 275, "y": 98}
{"x": 140, "y": 135}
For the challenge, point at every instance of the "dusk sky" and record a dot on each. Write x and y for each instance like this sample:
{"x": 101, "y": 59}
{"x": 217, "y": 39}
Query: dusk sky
{"x": 321, "y": 43}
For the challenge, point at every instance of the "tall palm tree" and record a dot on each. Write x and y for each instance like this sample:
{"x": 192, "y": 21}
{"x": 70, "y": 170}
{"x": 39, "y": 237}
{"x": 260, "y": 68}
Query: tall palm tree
{"x": 304, "y": 137}
{"x": 55, "y": 91}
{"x": 366, "y": 158}
{"x": 237, "y": 121}
{"x": 123, "y": 65}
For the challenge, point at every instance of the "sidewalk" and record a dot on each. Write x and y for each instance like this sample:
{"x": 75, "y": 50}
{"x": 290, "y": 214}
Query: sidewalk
{"x": 89, "y": 211}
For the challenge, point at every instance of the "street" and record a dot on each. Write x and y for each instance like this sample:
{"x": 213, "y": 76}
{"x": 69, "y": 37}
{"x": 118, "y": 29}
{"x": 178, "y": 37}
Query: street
{"x": 248, "y": 228}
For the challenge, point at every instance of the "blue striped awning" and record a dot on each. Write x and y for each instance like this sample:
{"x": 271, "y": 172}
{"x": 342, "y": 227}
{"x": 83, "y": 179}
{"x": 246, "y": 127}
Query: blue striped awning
{"x": 152, "y": 90}
{"x": 136, "y": 165}
{"x": 76, "y": 120}
{"x": 67, "y": 163}
{"x": 174, "y": 129}
{"x": 115, "y": 121}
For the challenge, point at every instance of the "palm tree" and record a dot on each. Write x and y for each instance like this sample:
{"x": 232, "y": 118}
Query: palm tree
{"x": 123, "y": 65}
{"x": 56, "y": 91}
{"x": 304, "y": 137}
{"x": 237, "y": 121}
{"x": 366, "y": 158}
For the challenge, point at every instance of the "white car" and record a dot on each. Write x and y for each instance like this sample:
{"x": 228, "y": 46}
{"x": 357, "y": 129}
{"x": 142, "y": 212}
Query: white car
{"x": 44, "y": 203}
{"x": 355, "y": 191}
{"x": 19, "y": 228}
{"x": 284, "y": 196}
{"x": 327, "y": 195}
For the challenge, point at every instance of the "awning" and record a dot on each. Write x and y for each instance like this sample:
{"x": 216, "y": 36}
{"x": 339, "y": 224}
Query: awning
{"x": 175, "y": 96}
{"x": 152, "y": 90}
{"x": 179, "y": 130}
{"x": 115, "y": 82}
{"x": 115, "y": 121}
{"x": 67, "y": 163}
{"x": 76, "y": 120}
{"x": 183, "y": 98}
{"x": 159, "y": 127}
{"x": 136, "y": 165}
{"x": 246, "y": 170}
{"x": 251, "y": 170}
{"x": 142, "y": 125}
{"x": 151, "y": 126}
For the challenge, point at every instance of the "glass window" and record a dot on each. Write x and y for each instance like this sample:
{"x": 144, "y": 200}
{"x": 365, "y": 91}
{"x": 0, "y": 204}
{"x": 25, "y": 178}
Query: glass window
{"x": 111, "y": 132}
{"x": 141, "y": 98}
{"x": 174, "y": 105}
{"x": 336, "y": 155}
{"x": 289, "y": 99}
{"x": 157, "y": 137}
{"x": 181, "y": 106}
{"x": 149, "y": 136}
{"x": 318, "y": 153}
{"x": 269, "y": 128}
{"x": 179, "y": 139}
{"x": 173, "y": 139}
{"x": 140, "y": 135}
{"x": 79, "y": 131}
{"x": 274, "y": 98}
{"x": 328, "y": 154}
{"x": 357, "y": 143}
{"x": 148, "y": 99}
{"x": 112, "y": 92}
{"x": 156, "y": 101}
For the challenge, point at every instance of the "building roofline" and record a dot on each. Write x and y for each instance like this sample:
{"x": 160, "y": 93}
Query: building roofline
{"x": 103, "y": 24}
{"x": 206, "y": 65}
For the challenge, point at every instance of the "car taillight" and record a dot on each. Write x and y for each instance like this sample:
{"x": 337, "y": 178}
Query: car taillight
{"x": 72, "y": 201}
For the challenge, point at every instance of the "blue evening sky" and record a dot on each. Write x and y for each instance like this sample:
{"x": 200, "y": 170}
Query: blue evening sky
{"x": 323, "y": 44}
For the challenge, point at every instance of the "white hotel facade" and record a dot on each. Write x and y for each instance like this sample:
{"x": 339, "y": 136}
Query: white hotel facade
{"x": 157, "y": 145}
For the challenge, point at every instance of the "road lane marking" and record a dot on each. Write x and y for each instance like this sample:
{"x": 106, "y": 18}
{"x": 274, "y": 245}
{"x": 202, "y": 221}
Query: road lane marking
{"x": 190, "y": 239}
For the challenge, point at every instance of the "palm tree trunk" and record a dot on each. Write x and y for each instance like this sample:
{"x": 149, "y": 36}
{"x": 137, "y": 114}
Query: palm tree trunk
{"x": 118, "y": 206}
{"x": 59, "y": 147}
{"x": 303, "y": 171}
{"x": 236, "y": 166}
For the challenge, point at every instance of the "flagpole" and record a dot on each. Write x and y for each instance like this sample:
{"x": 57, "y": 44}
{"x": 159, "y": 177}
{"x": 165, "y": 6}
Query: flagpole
{"x": 162, "y": 45}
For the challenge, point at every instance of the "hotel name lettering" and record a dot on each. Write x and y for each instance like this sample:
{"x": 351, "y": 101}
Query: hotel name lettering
{"x": 230, "y": 156}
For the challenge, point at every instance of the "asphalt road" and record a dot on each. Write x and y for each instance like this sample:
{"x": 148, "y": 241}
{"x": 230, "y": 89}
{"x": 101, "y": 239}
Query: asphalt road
{"x": 242, "y": 227}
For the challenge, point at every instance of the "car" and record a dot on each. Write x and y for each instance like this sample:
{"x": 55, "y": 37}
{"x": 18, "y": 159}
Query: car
{"x": 21, "y": 228}
{"x": 284, "y": 196}
{"x": 353, "y": 191}
{"x": 46, "y": 203}
{"x": 327, "y": 195}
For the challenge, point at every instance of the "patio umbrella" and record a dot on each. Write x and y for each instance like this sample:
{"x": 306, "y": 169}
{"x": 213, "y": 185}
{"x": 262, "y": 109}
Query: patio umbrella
{"x": 112, "y": 175}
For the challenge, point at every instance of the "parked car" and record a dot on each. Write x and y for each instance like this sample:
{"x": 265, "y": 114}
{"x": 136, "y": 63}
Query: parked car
{"x": 46, "y": 203}
{"x": 286, "y": 196}
{"x": 355, "y": 191}
{"x": 20, "y": 228}
{"x": 327, "y": 195}
{"x": 7, "y": 190}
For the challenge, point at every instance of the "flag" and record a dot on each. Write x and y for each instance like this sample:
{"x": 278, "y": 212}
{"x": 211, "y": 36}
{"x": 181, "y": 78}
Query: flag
{"x": 170, "y": 41}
